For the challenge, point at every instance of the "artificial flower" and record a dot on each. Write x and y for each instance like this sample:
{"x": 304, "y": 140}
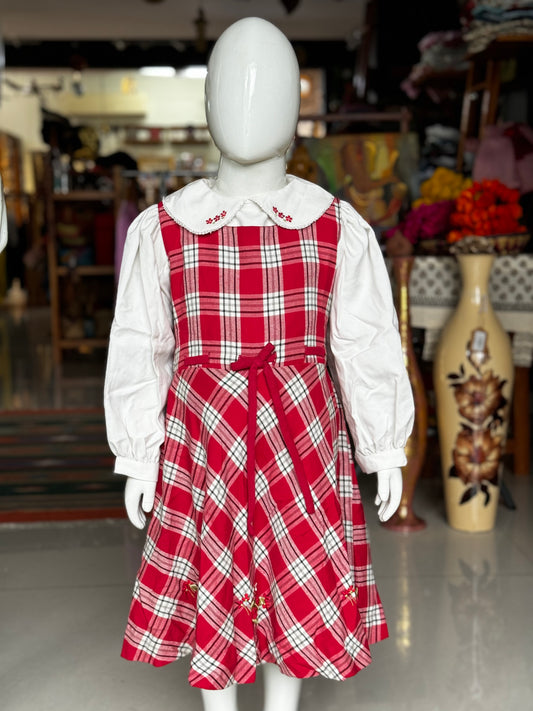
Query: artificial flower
{"x": 485, "y": 209}
{"x": 444, "y": 184}
{"x": 427, "y": 221}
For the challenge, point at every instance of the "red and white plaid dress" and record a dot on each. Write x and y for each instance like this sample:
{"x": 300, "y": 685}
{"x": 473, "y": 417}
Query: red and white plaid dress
{"x": 257, "y": 549}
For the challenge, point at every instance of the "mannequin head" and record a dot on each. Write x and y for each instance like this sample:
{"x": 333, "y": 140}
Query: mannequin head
{"x": 252, "y": 92}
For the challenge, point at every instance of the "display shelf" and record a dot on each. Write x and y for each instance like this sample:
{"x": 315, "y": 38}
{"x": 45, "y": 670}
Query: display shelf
{"x": 159, "y": 142}
{"x": 441, "y": 79}
{"x": 505, "y": 47}
{"x": 483, "y": 85}
{"x": 73, "y": 343}
{"x": 88, "y": 270}
{"x": 84, "y": 196}
{"x": 78, "y": 298}
{"x": 166, "y": 135}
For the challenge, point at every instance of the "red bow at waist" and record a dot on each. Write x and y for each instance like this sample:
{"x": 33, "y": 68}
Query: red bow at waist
{"x": 252, "y": 364}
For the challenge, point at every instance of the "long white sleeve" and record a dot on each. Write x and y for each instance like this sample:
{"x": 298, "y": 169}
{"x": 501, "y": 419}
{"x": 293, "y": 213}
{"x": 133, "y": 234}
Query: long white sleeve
{"x": 365, "y": 343}
{"x": 141, "y": 352}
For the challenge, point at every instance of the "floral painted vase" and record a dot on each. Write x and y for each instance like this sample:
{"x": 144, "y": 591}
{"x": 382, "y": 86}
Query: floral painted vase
{"x": 473, "y": 376}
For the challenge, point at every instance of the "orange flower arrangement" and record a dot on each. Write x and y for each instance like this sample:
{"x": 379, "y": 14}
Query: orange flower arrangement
{"x": 486, "y": 209}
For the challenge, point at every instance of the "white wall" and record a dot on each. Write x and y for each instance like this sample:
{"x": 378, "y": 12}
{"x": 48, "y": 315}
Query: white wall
{"x": 175, "y": 101}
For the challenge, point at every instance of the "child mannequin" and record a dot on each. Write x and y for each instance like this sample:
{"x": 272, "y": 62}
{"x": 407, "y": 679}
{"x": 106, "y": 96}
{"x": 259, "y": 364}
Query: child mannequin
{"x": 252, "y": 104}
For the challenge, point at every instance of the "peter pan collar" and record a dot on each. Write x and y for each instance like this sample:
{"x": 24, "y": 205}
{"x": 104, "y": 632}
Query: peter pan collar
{"x": 201, "y": 209}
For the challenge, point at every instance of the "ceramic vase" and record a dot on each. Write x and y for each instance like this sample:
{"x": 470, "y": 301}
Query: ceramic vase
{"x": 473, "y": 376}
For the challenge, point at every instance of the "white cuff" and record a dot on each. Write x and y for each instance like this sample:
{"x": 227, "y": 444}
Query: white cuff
{"x": 381, "y": 460}
{"x": 144, "y": 471}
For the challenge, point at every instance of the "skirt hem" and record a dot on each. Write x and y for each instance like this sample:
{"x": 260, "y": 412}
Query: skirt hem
{"x": 196, "y": 680}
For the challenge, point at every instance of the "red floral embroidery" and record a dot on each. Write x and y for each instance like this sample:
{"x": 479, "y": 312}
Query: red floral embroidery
{"x": 191, "y": 588}
{"x": 216, "y": 218}
{"x": 351, "y": 594}
{"x": 282, "y": 215}
{"x": 255, "y": 603}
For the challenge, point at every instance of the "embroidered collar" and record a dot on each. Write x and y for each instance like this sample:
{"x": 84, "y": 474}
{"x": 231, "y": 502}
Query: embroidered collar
{"x": 201, "y": 209}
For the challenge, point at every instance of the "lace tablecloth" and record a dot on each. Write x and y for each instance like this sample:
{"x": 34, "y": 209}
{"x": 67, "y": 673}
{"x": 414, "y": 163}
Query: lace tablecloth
{"x": 434, "y": 291}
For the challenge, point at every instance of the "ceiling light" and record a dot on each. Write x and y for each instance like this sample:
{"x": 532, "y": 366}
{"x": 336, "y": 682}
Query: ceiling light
{"x": 157, "y": 71}
{"x": 194, "y": 71}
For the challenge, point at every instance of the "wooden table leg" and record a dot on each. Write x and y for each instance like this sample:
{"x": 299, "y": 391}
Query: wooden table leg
{"x": 519, "y": 446}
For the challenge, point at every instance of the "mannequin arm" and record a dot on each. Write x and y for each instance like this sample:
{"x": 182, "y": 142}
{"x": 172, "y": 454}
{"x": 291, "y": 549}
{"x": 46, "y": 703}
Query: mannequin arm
{"x": 389, "y": 494}
{"x": 139, "y": 500}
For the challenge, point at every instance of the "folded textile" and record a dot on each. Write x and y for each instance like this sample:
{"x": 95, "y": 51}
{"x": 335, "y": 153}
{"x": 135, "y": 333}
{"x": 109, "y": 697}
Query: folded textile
{"x": 481, "y": 34}
{"x": 499, "y": 4}
{"x": 492, "y": 15}
{"x": 440, "y": 51}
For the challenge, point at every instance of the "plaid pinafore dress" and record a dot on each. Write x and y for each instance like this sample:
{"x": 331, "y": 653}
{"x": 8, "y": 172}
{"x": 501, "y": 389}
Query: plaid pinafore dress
{"x": 257, "y": 549}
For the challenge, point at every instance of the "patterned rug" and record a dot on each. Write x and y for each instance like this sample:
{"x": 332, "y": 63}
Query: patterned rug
{"x": 55, "y": 465}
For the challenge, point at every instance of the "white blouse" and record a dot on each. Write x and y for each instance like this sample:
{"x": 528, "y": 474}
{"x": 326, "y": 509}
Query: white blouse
{"x": 364, "y": 354}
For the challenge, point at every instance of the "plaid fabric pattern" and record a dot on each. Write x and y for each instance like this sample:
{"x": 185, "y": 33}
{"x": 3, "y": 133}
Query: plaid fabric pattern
{"x": 300, "y": 591}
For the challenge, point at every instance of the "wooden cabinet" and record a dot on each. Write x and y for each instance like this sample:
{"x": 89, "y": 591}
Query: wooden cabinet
{"x": 81, "y": 225}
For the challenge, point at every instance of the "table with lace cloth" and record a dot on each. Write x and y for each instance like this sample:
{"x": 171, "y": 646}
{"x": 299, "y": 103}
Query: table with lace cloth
{"x": 434, "y": 290}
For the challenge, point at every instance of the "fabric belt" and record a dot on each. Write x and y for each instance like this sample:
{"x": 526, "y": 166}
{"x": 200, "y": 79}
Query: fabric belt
{"x": 252, "y": 364}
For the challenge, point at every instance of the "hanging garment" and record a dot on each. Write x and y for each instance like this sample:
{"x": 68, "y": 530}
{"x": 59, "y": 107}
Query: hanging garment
{"x": 127, "y": 212}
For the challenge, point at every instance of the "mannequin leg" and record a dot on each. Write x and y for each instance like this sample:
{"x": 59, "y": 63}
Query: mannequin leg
{"x": 282, "y": 692}
{"x": 222, "y": 700}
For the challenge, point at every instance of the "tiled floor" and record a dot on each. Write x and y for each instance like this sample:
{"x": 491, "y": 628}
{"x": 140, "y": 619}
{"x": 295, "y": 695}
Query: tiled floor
{"x": 459, "y": 608}
{"x": 459, "y": 605}
{"x": 28, "y": 378}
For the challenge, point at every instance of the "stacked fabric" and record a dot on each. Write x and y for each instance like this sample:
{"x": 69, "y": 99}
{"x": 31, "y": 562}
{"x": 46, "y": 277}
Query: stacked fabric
{"x": 486, "y": 20}
{"x": 440, "y": 148}
{"x": 439, "y": 52}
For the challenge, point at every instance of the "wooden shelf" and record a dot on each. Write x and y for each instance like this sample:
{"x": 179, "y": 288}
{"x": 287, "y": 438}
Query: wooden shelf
{"x": 89, "y": 270}
{"x": 192, "y": 142}
{"x": 482, "y": 86}
{"x": 84, "y": 196}
{"x": 441, "y": 79}
{"x": 504, "y": 47}
{"x": 166, "y": 135}
{"x": 66, "y": 343}
{"x": 162, "y": 142}
{"x": 62, "y": 291}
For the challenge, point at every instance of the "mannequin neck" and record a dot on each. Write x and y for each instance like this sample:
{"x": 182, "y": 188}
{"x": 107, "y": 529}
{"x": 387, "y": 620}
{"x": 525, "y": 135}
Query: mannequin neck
{"x": 241, "y": 180}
